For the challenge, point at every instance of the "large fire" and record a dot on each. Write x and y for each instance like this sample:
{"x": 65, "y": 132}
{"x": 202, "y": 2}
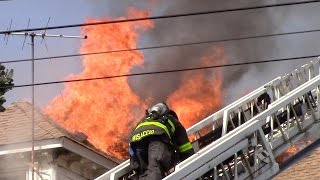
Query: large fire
{"x": 107, "y": 110}
{"x": 200, "y": 92}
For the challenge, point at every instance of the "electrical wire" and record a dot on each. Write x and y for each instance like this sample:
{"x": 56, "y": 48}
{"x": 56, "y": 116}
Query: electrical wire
{"x": 162, "y": 46}
{"x": 158, "y": 17}
{"x": 165, "y": 71}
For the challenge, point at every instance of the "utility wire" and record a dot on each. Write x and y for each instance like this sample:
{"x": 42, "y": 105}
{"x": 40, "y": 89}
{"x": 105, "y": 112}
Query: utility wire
{"x": 162, "y": 46}
{"x": 158, "y": 17}
{"x": 165, "y": 71}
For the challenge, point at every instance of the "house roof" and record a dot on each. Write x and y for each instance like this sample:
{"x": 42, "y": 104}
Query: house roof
{"x": 306, "y": 168}
{"x": 16, "y": 125}
{"x": 16, "y": 128}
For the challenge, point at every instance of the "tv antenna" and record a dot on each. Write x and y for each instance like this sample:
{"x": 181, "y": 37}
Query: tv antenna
{"x": 32, "y": 36}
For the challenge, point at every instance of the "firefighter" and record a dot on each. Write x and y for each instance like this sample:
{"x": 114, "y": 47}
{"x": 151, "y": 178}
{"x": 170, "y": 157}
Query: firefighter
{"x": 263, "y": 101}
{"x": 158, "y": 142}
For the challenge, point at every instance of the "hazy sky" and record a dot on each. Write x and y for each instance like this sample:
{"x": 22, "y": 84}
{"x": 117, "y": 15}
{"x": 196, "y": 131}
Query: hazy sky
{"x": 166, "y": 31}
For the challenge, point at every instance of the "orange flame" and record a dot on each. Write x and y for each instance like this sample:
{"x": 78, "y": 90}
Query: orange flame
{"x": 107, "y": 110}
{"x": 294, "y": 149}
{"x": 286, "y": 155}
{"x": 104, "y": 110}
{"x": 200, "y": 92}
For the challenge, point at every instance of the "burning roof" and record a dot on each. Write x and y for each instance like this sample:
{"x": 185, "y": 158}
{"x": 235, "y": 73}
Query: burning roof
{"x": 306, "y": 168}
{"x": 106, "y": 110}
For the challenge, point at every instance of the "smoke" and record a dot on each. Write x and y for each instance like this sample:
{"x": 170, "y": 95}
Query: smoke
{"x": 193, "y": 95}
{"x": 227, "y": 25}
{"x": 196, "y": 29}
{"x": 217, "y": 26}
{"x": 116, "y": 8}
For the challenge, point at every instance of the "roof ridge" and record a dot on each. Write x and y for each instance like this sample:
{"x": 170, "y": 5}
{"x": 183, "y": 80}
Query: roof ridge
{"x": 47, "y": 130}
{"x": 39, "y": 112}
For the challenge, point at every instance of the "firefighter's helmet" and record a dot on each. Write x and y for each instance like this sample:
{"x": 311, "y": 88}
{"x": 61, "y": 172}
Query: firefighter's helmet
{"x": 160, "y": 109}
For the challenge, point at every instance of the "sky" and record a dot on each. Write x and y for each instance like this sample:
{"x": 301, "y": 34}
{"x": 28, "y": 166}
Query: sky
{"x": 100, "y": 115}
{"x": 238, "y": 80}
{"x": 39, "y": 12}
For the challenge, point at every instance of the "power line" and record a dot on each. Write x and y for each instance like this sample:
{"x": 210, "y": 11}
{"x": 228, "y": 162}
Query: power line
{"x": 163, "y": 46}
{"x": 166, "y": 71}
{"x": 159, "y": 17}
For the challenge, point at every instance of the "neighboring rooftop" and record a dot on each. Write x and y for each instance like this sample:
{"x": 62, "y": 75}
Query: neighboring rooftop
{"x": 16, "y": 137}
{"x": 16, "y": 125}
{"x": 306, "y": 165}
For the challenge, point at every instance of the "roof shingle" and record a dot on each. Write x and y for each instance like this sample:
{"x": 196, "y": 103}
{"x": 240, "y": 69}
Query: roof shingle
{"x": 16, "y": 125}
{"x": 307, "y": 168}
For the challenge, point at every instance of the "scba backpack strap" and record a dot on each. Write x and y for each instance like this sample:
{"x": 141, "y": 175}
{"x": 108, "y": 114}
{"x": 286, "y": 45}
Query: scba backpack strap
{"x": 137, "y": 161}
{"x": 134, "y": 164}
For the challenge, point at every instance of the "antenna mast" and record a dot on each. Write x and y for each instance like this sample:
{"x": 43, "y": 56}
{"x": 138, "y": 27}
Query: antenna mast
{"x": 32, "y": 36}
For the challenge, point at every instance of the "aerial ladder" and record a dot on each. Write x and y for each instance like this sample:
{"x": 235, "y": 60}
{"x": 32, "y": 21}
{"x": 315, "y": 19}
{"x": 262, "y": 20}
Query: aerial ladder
{"x": 243, "y": 140}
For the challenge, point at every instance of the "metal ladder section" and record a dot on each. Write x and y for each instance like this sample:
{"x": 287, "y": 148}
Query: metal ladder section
{"x": 242, "y": 140}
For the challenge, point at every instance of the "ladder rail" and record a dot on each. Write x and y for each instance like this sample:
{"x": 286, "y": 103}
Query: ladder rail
{"x": 275, "y": 84}
{"x": 198, "y": 164}
{"x": 194, "y": 163}
{"x": 219, "y": 114}
{"x": 294, "y": 94}
{"x": 286, "y": 90}
{"x": 116, "y": 172}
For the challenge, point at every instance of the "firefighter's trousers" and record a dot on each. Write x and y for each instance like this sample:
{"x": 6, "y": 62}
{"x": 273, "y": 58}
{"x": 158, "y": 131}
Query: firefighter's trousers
{"x": 160, "y": 159}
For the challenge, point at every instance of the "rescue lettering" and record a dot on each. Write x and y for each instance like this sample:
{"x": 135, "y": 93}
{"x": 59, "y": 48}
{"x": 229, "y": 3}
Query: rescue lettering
{"x": 142, "y": 134}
